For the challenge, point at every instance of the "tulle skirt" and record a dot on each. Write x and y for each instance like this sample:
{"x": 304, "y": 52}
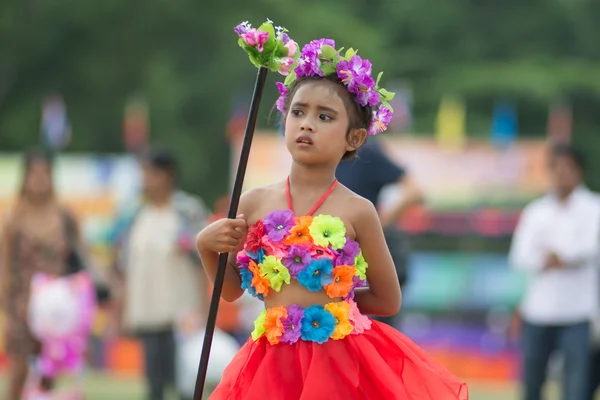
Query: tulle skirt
{"x": 379, "y": 364}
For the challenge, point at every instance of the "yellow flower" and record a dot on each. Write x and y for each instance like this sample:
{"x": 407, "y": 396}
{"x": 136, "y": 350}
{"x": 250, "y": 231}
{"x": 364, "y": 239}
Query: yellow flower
{"x": 341, "y": 312}
{"x": 361, "y": 266}
{"x": 272, "y": 269}
{"x": 259, "y": 325}
{"x": 327, "y": 230}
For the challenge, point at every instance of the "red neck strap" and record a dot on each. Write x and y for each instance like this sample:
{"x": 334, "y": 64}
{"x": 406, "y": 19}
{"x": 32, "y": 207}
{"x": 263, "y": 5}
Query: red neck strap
{"x": 318, "y": 203}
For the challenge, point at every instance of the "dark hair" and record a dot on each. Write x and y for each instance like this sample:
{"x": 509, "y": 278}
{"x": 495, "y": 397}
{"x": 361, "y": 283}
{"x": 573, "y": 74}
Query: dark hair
{"x": 359, "y": 116}
{"x": 163, "y": 160}
{"x": 564, "y": 149}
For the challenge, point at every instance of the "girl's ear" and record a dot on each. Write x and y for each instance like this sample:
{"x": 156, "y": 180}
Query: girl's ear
{"x": 356, "y": 138}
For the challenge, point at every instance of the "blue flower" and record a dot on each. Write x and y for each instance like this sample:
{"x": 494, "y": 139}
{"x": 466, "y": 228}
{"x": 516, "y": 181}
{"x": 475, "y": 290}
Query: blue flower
{"x": 258, "y": 256}
{"x": 317, "y": 274}
{"x": 246, "y": 276}
{"x": 317, "y": 325}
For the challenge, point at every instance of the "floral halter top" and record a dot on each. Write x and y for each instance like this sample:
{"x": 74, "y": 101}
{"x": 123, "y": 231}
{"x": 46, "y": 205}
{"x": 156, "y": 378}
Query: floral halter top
{"x": 317, "y": 253}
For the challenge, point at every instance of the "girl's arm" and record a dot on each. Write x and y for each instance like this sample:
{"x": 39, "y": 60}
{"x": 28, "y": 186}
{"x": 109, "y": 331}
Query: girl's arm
{"x": 383, "y": 296}
{"x": 225, "y": 235}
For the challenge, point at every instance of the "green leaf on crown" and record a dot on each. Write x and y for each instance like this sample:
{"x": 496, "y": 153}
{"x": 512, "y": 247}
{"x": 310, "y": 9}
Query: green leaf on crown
{"x": 385, "y": 95}
{"x": 291, "y": 77}
{"x": 378, "y": 78}
{"x": 349, "y": 54}
{"x": 387, "y": 104}
{"x": 328, "y": 52}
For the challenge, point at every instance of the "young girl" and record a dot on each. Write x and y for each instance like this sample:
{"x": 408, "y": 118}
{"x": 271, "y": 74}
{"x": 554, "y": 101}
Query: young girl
{"x": 315, "y": 253}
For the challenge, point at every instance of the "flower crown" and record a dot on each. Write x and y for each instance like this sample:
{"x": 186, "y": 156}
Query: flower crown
{"x": 272, "y": 48}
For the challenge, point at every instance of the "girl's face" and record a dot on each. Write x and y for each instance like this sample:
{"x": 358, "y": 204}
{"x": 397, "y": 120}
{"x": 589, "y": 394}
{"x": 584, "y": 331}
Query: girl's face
{"x": 38, "y": 180}
{"x": 316, "y": 124}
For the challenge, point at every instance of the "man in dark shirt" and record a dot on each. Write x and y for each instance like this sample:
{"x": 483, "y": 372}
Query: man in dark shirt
{"x": 367, "y": 175}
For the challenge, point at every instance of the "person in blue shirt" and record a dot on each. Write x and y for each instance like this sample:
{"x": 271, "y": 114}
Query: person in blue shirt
{"x": 367, "y": 175}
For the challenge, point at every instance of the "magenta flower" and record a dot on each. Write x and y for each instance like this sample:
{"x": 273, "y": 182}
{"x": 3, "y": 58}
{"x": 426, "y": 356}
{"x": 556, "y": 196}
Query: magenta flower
{"x": 308, "y": 64}
{"x": 255, "y": 38}
{"x": 243, "y": 259}
{"x": 280, "y": 104}
{"x": 297, "y": 259}
{"x": 278, "y": 224}
{"x": 348, "y": 253}
{"x": 356, "y": 74}
{"x": 367, "y": 96}
{"x": 292, "y": 324}
{"x": 381, "y": 119}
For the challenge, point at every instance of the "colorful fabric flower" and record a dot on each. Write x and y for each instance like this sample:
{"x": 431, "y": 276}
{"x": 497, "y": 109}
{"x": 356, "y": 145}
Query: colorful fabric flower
{"x": 300, "y": 234}
{"x": 297, "y": 258}
{"x": 352, "y": 73}
{"x": 273, "y": 249}
{"x": 317, "y": 325}
{"x": 259, "y": 282}
{"x": 276, "y": 273}
{"x": 342, "y": 281}
{"x": 322, "y": 252}
{"x": 317, "y": 275}
{"x": 242, "y": 259}
{"x": 257, "y": 256}
{"x": 348, "y": 253}
{"x": 380, "y": 121}
{"x": 280, "y": 104}
{"x": 356, "y": 283}
{"x": 327, "y": 230}
{"x": 278, "y": 224}
{"x": 285, "y": 65}
{"x": 341, "y": 313}
{"x": 360, "y": 322}
{"x": 361, "y": 266}
{"x": 259, "y": 325}
{"x": 255, "y": 38}
{"x": 292, "y": 324}
{"x": 273, "y": 323}
{"x": 246, "y": 277}
{"x": 255, "y": 234}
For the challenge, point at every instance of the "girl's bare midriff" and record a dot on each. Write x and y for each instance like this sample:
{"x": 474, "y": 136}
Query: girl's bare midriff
{"x": 295, "y": 293}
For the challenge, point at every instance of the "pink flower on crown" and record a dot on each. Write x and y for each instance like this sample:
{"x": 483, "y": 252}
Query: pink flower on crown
{"x": 381, "y": 119}
{"x": 292, "y": 47}
{"x": 255, "y": 38}
{"x": 281, "y": 100}
{"x": 285, "y": 65}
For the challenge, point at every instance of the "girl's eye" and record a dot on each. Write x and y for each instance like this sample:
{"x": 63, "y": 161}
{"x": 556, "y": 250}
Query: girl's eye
{"x": 296, "y": 112}
{"x": 325, "y": 117}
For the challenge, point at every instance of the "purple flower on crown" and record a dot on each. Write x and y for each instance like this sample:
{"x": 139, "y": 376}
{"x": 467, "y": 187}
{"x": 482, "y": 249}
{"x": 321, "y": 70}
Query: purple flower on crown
{"x": 242, "y": 28}
{"x": 292, "y": 325}
{"x": 309, "y": 63}
{"x": 381, "y": 119}
{"x": 348, "y": 253}
{"x": 280, "y": 104}
{"x": 278, "y": 224}
{"x": 297, "y": 259}
{"x": 356, "y": 75}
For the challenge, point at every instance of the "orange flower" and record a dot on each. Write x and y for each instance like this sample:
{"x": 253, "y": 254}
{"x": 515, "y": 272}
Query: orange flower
{"x": 299, "y": 233}
{"x": 342, "y": 281}
{"x": 341, "y": 313}
{"x": 273, "y": 325}
{"x": 260, "y": 283}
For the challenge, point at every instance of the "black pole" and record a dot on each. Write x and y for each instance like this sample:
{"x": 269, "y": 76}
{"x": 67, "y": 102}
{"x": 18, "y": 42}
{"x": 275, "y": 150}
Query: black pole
{"x": 233, "y": 207}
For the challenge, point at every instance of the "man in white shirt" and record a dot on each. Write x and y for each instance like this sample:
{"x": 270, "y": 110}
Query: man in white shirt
{"x": 557, "y": 244}
{"x": 159, "y": 268}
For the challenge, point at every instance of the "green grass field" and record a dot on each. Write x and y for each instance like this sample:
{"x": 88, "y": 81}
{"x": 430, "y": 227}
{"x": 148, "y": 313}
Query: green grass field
{"x": 104, "y": 387}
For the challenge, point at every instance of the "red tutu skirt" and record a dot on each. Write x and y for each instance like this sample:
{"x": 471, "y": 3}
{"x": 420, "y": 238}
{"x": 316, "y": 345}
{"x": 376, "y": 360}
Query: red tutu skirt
{"x": 379, "y": 364}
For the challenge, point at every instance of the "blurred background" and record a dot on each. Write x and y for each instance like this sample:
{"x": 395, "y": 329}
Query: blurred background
{"x": 480, "y": 88}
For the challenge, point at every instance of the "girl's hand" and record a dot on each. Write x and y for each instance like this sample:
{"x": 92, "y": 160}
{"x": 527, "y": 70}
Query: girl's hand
{"x": 223, "y": 236}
